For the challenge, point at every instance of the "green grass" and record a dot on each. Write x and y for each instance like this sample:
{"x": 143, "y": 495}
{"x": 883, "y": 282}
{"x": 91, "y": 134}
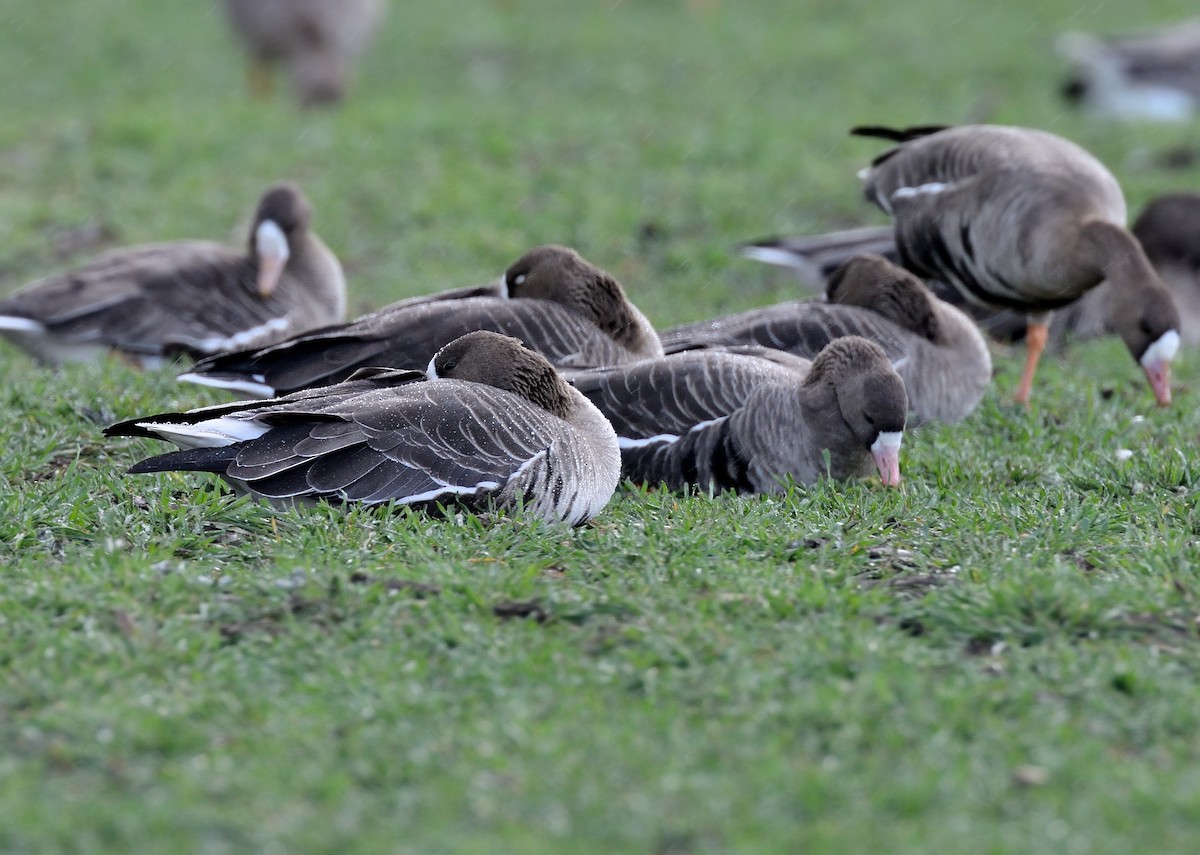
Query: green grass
{"x": 1000, "y": 657}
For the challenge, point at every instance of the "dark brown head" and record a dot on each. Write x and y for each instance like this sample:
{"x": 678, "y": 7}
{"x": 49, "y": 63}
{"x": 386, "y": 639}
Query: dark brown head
{"x": 561, "y": 275}
{"x": 505, "y": 363}
{"x": 1148, "y": 322}
{"x": 282, "y": 219}
{"x": 870, "y": 397}
{"x": 872, "y": 282}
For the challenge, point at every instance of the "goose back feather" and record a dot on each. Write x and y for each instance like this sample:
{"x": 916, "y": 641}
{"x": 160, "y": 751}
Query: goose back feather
{"x": 722, "y": 420}
{"x": 937, "y": 350}
{"x": 489, "y": 424}
{"x": 567, "y": 309}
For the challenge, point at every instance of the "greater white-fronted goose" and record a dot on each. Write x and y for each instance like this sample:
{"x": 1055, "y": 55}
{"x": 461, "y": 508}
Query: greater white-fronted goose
{"x": 938, "y": 350}
{"x": 150, "y": 303}
{"x": 316, "y": 40}
{"x": 489, "y": 424}
{"x": 1022, "y": 219}
{"x": 723, "y": 420}
{"x": 1168, "y": 229}
{"x": 570, "y": 311}
{"x": 1151, "y": 75}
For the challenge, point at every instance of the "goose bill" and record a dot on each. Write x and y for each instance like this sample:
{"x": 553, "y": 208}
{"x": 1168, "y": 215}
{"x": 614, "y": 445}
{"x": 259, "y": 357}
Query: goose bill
{"x": 1156, "y": 362}
{"x": 271, "y": 246}
{"x": 886, "y": 451}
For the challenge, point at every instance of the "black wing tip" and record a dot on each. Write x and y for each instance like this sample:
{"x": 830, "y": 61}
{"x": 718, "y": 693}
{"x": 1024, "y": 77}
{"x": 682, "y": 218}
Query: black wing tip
{"x": 896, "y": 134}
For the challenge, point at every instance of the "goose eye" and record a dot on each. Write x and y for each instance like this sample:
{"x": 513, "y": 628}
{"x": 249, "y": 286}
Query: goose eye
{"x": 448, "y": 365}
{"x": 869, "y": 420}
{"x": 519, "y": 279}
{"x": 1145, "y": 328}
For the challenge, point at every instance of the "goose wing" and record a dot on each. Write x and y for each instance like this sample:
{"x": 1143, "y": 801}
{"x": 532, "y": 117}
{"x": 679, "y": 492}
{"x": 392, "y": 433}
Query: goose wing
{"x": 412, "y": 443}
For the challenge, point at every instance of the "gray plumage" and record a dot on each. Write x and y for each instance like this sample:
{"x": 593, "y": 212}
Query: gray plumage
{"x": 193, "y": 297}
{"x": 722, "y": 420}
{"x": 567, "y": 309}
{"x": 1151, "y": 75}
{"x": 490, "y": 424}
{"x": 938, "y": 351}
{"x": 315, "y": 40}
{"x": 1021, "y": 219}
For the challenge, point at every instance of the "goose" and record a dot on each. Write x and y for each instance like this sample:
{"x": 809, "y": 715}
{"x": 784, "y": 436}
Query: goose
{"x": 1152, "y": 75}
{"x": 489, "y": 423}
{"x": 938, "y": 350}
{"x": 569, "y": 310}
{"x": 315, "y": 39}
{"x": 1168, "y": 228}
{"x": 1022, "y": 219}
{"x": 155, "y": 302}
{"x": 723, "y": 420}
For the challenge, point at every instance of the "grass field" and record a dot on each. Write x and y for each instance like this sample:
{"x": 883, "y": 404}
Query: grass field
{"x": 1000, "y": 657}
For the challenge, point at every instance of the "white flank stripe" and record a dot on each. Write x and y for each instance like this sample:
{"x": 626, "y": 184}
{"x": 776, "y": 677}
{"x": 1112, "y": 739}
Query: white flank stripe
{"x": 1163, "y": 350}
{"x": 243, "y": 338}
{"x": 258, "y": 390}
{"x": 626, "y": 442}
{"x": 448, "y": 490}
{"x": 919, "y": 190}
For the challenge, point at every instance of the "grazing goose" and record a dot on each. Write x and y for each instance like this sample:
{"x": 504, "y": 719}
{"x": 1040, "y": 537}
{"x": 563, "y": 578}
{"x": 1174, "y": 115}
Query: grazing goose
{"x": 315, "y": 39}
{"x": 489, "y": 423}
{"x": 150, "y": 303}
{"x": 937, "y": 349}
{"x": 1022, "y": 219}
{"x": 723, "y": 420}
{"x": 570, "y": 311}
{"x": 1151, "y": 75}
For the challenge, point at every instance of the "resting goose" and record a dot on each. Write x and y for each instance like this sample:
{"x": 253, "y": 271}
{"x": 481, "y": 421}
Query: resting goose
{"x": 490, "y": 423}
{"x": 1022, "y": 219}
{"x": 570, "y": 311}
{"x": 1152, "y": 75}
{"x": 723, "y": 420}
{"x": 150, "y": 303}
{"x": 315, "y": 39}
{"x": 938, "y": 350}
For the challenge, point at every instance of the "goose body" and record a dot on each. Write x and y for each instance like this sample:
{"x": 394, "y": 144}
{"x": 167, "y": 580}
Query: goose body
{"x": 570, "y": 311}
{"x": 937, "y": 350}
{"x": 489, "y": 424}
{"x": 722, "y": 420}
{"x": 150, "y": 303}
{"x": 1021, "y": 219}
{"x": 1153, "y": 75}
{"x": 316, "y": 40}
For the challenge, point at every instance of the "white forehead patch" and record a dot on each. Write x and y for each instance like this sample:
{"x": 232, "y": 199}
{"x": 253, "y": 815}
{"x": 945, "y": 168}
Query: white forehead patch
{"x": 431, "y": 372}
{"x": 887, "y": 439}
{"x": 270, "y": 241}
{"x": 502, "y": 287}
{"x": 1163, "y": 350}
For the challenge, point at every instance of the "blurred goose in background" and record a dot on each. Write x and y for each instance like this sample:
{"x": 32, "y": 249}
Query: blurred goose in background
{"x": 150, "y": 303}
{"x": 937, "y": 350}
{"x": 723, "y": 420}
{"x": 316, "y": 40}
{"x": 1153, "y": 75}
{"x": 1168, "y": 230}
{"x": 567, "y": 309}
{"x": 489, "y": 424}
{"x": 1022, "y": 219}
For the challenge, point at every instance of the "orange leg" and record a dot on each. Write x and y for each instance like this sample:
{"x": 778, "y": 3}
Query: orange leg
{"x": 1036, "y": 335}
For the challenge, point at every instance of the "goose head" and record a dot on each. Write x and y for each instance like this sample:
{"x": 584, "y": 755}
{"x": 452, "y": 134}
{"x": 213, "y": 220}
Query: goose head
{"x": 870, "y": 397}
{"x": 872, "y": 282}
{"x": 505, "y": 363}
{"x": 561, "y": 275}
{"x": 282, "y": 218}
